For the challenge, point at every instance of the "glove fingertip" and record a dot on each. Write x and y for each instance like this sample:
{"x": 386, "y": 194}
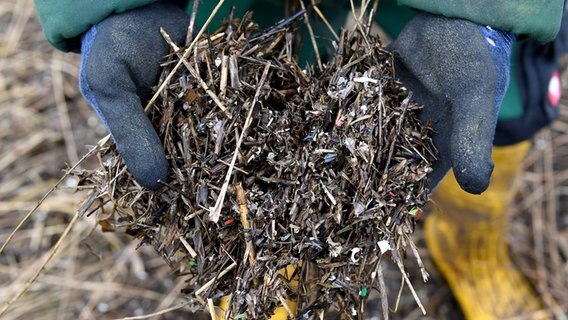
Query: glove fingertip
{"x": 474, "y": 179}
{"x": 151, "y": 176}
{"x": 139, "y": 145}
{"x": 471, "y": 156}
{"x": 147, "y": 164}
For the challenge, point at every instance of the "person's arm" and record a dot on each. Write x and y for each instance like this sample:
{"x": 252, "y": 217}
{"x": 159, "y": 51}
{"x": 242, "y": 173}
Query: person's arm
{"x": 537, "y": 19}
{"x": 64, "y": 21}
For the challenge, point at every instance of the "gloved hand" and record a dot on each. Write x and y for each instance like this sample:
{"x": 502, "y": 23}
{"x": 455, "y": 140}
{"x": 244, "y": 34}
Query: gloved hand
{"x": 459, "y": 71}
{"x": 120, "y": 63}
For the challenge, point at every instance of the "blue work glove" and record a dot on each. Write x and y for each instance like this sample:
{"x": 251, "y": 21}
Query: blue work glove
{"x": 459, "y": 71}
{"x": 120, "y": 62}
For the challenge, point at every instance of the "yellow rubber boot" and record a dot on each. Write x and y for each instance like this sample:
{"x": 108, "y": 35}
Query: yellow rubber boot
{"x": 466, "y": 236}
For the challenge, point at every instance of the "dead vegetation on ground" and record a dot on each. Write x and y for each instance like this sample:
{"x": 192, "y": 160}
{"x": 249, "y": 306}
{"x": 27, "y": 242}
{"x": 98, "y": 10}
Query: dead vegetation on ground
{"x": 45, "y": 123}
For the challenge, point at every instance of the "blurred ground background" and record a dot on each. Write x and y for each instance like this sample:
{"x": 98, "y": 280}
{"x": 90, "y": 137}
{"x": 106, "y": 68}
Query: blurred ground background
{"x": 45, "y": 125}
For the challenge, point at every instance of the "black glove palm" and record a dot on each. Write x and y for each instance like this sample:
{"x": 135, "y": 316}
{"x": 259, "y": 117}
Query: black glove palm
{"x": 120, "y": 64}
{"x": 460, "y": 71}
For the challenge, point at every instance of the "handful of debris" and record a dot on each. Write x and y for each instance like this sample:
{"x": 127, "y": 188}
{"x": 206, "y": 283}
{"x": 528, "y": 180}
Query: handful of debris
{"x": 287, "y": 186}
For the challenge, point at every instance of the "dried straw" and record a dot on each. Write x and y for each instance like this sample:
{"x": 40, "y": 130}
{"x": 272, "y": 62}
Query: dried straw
{"x": 319, "y": 168}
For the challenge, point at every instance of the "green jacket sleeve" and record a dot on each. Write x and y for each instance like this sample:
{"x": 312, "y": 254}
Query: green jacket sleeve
{"x": 537, "y": 19}
{"x": 65, "y": 20}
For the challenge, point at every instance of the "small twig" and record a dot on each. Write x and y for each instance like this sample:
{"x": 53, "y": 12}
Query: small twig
{"x": 188, "y": 50}
{"x": 312, "y": 36}
{"x": 207, "y": 63}
{"x": 157, "y": 313}
{"x": 216, "y": 211}
{"x": 211, "y": 94}
{"x": 324, "y": 19}
{"x": 169, "y": 40}
{"x": 423, "y": 271}
{"x": 224, "y": 75}
{"x": 383, "y": 290}
{"x": 210, "y": 282}
{"x": 194, "y": 73}
{"x": 358, "y": 22}
{"x": 211, "y": 307}
{"x": 243, "y": 210}
{"x": 400, "y": 120}
{"x": 363, "y": 9}
{"x": 409, "y": 284}
{"x": 192, "y": 17}
{"x": 234, "y": 72}
{"x": 372, "y": 16}
{"x": 399, "y": 295}
{"x": 188, "y": 247}
{"x": 285, "y": 305}
{"x": 236, "y": 168}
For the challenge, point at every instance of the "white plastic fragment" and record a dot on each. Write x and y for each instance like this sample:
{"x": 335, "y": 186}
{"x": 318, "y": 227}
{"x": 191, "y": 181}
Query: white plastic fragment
{"x": 365, "y": 80}
{"x": 384, "y": 246}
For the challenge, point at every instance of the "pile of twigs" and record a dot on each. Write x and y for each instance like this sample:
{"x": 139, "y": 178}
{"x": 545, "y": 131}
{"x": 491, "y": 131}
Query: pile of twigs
{"x": 274, "y": 166}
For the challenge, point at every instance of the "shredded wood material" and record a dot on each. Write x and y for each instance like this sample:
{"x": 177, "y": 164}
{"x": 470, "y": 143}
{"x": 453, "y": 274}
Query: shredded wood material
{"x": 274, "y": 166}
